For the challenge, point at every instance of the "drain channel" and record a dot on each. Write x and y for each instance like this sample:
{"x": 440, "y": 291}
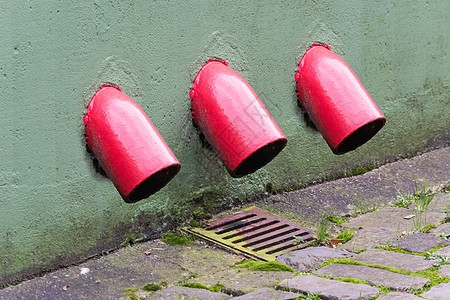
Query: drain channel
{"x": 255, "y": 233}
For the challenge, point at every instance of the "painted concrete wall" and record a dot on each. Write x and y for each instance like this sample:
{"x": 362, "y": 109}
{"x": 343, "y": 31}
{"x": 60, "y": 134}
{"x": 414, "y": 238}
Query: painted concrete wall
{"x": 56, "y": 209}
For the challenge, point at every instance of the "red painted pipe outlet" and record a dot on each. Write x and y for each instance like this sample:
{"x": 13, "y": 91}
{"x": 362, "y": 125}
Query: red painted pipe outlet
{"x": 127, "y": 145}
{"x": 336, "y": 101}
{"x": 234, "y": 120}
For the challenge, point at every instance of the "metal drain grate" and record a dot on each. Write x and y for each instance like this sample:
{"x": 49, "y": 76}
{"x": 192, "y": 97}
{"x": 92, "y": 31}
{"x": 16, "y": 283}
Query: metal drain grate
{"x": 255, "y": 233}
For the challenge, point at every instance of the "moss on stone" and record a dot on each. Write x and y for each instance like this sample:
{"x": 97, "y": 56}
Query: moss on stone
{"x": 353, "y": 262}
{"x": 194, "y": 223}
{"x": 151, "y": 287}
{"x": 437, "y": 248}
{"x": 131, "y": 293}
{"x": 132, "y": 238}
{"x": 262, "y": 266}
{"x": 177, "y": 238}
{"x": 337, "y": 220}
{"x": 196, "y": 285}
{"x": 398, "y": 250}
{"x": 431, "y": 273}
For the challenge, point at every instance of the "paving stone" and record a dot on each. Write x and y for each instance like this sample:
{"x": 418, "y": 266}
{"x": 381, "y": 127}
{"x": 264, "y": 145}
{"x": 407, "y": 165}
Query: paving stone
{"x": 419, "y": 242}
{"x": 440, "y": 203}
{"x": 408, "y": 262}
{"x": 329, "y": 289}
{"x": 443, "y": 228}
{"x": 309, "y": 259}
{"x": 268, "y": 293}
{"x": 369, "y": 238}
{"x": 241, "y": 281}
{"x": 373, "y": 276}
{"x": 438, "y": 292}
{"x": 398, "y": 296}
{"x": 445, "y": 251}
{"x": 444, "y": 271}
{"x": 390, "y": 218}
{"x": 185, "y": 293}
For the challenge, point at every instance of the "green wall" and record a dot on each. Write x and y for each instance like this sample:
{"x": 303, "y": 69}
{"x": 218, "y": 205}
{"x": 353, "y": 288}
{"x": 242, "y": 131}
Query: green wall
{"x": 55, "y": 209}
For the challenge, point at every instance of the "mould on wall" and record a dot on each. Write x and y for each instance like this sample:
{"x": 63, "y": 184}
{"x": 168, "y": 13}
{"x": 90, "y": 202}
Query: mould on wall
{"x": 222, "y": 46}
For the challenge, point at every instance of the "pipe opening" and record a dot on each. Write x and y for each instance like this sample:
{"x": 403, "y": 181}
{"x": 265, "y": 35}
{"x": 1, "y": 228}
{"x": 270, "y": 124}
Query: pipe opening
{"x": 259, "y": 158}
{"x": 152, "y": 184}
{"x": 359, "y": 136}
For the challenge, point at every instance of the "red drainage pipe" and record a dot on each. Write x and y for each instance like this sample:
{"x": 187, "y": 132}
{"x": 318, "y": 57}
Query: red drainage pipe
{"x": 234, "y": 120}
{"x": 336, "y": 101}
{"x": 127, "y": 145}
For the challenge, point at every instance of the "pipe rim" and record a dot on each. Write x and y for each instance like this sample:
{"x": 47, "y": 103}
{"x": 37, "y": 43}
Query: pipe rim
{"x": 259, "y": 158}
{"x": 360, "y": 136}
{"x": 153, "y": 183}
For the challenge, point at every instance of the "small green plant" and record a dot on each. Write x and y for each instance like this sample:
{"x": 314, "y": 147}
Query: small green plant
{"x": 445, "y": 188}
{"x": 423, "y": 197}
{"x": 297, "y": 240}
{"x": 346, "y": 235}
{"x": 312, "y": 296}
{"x": 442, "y": 235}
{"x": 323, "y": 224}
{"x": 403, "y": 200}
{"x": 151, "y": 287}
{"x": 177, "y": 238}
{"x": 361, "y": 208}
{"x": 163, "y": 283}
{"x": 439, "y": 259}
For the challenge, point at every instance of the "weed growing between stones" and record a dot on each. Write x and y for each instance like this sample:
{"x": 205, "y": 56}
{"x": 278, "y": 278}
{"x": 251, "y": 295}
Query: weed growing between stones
{"x": 442, "y": 235}
{"x": 439, "y": 259}
{"x": 361, "y": 208}
{"x": 432, "y": 274}
{"x": 445, "y": 188}
{"x": 297, "y": 240}
{"x": 312, "y": 296}
{"x": 322, "y": 225}
{"x": 346, "y": 235}
{"x": 423, "y": 197}
{"x": 403, "y": 200}
{"x": 420, "y": 197}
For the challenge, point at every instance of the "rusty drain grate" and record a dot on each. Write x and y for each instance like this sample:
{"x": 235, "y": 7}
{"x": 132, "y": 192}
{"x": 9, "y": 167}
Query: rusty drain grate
{"x": 255, "y": 233}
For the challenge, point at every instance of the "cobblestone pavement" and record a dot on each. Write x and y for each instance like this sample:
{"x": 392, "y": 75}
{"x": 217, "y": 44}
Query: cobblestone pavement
{"x": 393, "y": 254}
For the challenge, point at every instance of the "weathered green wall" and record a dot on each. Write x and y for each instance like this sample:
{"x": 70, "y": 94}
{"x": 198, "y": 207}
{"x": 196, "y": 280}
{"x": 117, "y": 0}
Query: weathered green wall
{"x": 56, "y": 209}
